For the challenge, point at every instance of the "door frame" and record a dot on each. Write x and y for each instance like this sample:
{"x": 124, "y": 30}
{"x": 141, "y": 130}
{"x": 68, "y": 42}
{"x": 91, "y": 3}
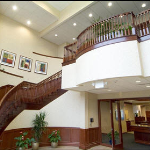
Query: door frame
{"x": 114, "y": 147}
{"x": 119, "y": 119}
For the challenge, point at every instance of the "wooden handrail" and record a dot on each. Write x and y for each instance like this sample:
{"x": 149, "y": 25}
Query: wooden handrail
{"x": 11, "y": 74}
{"x": 27, "y": 95}
{"x": 121, "y": 25}
{"x": 27, "y": 86}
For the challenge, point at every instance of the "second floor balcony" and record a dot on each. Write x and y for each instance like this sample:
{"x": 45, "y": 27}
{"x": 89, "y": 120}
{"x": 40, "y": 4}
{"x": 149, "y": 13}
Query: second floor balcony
{"x": 119, "y": 28}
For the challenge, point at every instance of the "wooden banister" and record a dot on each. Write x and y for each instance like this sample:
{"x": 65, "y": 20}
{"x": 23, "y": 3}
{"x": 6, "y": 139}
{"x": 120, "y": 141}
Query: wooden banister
{"x": 121, "y": 25}
{"x": 27, "y": 95}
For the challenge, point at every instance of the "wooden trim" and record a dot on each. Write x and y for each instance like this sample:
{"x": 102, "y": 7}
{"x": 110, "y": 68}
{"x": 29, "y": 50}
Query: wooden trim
{"x": 128, "y": 103}
{"x": 144, "y": 38}
{"x": 47, "y": 55}
{"x": 11, "y": 74}
{"x": 112, "y": 124}
{"x": 107, "y": 42}
{"x": 134, "y": 98}
{"x": 71, "y": 136}
{"x": 69, "y": 62}
{"x": 101, "y": 44}
{"x": 8, "y": 85}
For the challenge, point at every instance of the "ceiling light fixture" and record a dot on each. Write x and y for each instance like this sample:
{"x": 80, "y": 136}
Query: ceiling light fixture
{"x": 28, "y": 22}
{"x": 90, "y": 15}
{"x": 110, "y": 4}
{"x": 144, "y": 5}
{"x": 148, "y": 86}
{"x": 14, "y": 7}
{"x": 73, "y": 38}
{"x": 109, "y": 90}
{"x": 138, "y": 81}
{"x": 56, "y": 35}
{"x": 74, "y": 24}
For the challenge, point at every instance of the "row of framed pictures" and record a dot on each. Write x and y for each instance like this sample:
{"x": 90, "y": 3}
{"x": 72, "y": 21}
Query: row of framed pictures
{"x": 8, "y": 59}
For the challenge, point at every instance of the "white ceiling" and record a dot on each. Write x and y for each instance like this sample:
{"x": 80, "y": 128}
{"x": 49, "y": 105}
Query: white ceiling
{"x": 116, "y": 85}
{"x": 41, "y": 19}
{"x": 27, "y": 10}
{"x": 66, "y": 31}
{"x": 60, "y": 5}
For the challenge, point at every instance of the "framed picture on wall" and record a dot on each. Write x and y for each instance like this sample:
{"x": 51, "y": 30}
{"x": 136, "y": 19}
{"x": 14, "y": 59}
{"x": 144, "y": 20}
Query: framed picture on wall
{"x": 41, "y": 67}
{"x": 25, "y": 63}
{"x": 7, "y": 58}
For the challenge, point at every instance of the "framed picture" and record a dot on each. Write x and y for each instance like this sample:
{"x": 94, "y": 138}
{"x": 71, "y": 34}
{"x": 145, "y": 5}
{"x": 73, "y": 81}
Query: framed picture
{"x": 8, "y": 58}
{"x": 25, "y": 63}
{"x": 41, "y": 67}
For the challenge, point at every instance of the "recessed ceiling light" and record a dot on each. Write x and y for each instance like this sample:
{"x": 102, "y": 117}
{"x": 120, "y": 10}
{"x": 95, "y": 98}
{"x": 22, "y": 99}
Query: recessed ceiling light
{"x": 14, "y": 7}
{"x": 74, "y": 24}
{"x": 143, "y": 5}
{"x": 108, "y": 90}
{"x": 28, "y": 22}
{"x": 56, "y": 35}
{"x": 90, "y": 15}
{"x": 73, "y": 38}
{"x": 138, "y": 81}
{"x": 148, "y": 86}
{"x": 110, "y": 4}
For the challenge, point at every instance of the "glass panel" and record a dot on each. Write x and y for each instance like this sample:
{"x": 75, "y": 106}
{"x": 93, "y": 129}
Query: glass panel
{"x": 116, "y": 122}
{"x": 105, "y": 122}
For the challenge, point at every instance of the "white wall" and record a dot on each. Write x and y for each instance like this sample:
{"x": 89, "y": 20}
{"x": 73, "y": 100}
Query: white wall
{"x": 66, "y": 111}
{"x": 115, "y": 60}
{"x": 61, "y": 50}
{"x": 145, "y": 57}
{"x": 19, "y": 39}
{"x": 92, "y": 110}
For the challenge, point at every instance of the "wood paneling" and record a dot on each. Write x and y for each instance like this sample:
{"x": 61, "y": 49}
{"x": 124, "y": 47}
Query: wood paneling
{"x": 71, "y": 136}
{"x": 27, "y": 95}
{"x": 4, "y": 90}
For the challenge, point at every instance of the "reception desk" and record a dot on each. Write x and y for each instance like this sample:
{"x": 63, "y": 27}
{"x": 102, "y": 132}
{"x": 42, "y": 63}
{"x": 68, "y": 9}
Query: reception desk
{"x": 141, "y": 133}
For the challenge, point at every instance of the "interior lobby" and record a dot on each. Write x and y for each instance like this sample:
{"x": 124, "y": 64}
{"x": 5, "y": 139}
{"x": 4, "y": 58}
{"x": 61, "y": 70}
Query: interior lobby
{"x": 86, "y": 64}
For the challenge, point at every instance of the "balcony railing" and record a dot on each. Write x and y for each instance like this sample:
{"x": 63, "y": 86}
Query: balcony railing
{"x": 122, "y": 25}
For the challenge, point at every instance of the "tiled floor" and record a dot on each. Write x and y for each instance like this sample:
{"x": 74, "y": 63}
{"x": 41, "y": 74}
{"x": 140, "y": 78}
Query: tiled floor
{"x": 74, "y": 148}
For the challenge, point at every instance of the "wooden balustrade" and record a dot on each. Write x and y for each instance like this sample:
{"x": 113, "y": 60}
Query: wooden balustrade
{"x": 122, "y": 25}
{"x": 28, "y": 95}
{"x": 142, "y": 22}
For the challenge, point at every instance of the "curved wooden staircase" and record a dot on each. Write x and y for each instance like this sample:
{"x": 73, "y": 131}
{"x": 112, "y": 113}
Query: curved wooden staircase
{"x": 29, "y": 96}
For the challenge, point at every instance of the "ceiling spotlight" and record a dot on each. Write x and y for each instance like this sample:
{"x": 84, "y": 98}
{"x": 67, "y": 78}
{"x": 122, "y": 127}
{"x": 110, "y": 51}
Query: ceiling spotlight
{"x": 144, "y": 5}
{"x": 109, "y": 90}
{"x": 56, "y": 35}
{"x": 109, "y": 4}
{"x": 148, "y": 86}
{"x": 138, "y": 81}
{"x": 90, "y": 15}
{"x": 74, "y": 24}
{"x": 28, "y": 22}
{"x": 14, "y": 7}
{"x": 74, "y": 38}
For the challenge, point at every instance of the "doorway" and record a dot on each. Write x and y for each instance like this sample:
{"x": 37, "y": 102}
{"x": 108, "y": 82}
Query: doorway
{"x": 110, "y": 128}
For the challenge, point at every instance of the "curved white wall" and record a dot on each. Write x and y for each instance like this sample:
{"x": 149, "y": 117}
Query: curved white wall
{"x": 111, "y": 61}
{"x": 145, "y": 57}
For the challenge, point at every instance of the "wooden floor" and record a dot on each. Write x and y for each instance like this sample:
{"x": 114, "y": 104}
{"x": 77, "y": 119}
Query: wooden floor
{"x": 74, "y": 148}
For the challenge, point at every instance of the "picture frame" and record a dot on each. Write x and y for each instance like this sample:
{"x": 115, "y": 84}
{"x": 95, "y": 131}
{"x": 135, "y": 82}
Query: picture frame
{"x": 25, "y": 63}
{"x": 41, "y": 67}
{"x": 7, "y": 58}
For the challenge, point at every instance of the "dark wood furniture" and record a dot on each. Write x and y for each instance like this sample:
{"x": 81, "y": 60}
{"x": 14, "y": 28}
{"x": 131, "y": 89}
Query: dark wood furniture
{"x": 141, "y": 132}
{"x": 139, "y": 120}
